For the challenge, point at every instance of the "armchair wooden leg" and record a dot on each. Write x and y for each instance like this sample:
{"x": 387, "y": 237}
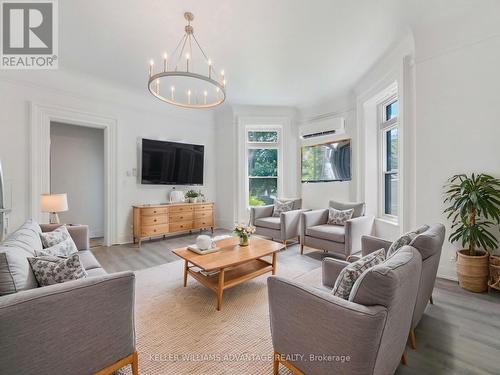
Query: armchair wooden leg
{"x": 404, "y": 358}
{"x": 413, "y": 339}
{"x": 131, "y": 360}
{"x": 302, "y": 249}
{"x": 276, "y": 364}
{"x": 284, "y": 243}
{"x": 431, "y": 300}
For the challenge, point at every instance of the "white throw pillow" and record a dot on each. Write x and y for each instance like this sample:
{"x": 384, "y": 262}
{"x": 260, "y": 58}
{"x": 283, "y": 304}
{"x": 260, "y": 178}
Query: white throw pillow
{"x": 281, "y": 205}
{"x": 339, "y": 217}
{"x": 348, "y": 276}
{"x": 58, "y": 243}
{"x": 49, "y": 270}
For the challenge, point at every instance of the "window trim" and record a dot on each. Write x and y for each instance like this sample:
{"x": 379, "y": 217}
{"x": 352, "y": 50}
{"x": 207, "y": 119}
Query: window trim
{"x": 385, "y": 126}
{"x": 249, "y": 145}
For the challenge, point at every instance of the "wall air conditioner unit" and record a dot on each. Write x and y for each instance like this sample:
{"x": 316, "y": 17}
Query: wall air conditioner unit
{"x": 322, "y": 127}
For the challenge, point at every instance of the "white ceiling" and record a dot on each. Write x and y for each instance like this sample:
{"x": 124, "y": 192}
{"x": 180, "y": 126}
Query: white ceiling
{"x": 274, "y": 52}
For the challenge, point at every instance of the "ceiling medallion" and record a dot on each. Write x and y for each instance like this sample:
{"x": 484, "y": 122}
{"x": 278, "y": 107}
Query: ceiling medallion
{"x": 178, "y": 84}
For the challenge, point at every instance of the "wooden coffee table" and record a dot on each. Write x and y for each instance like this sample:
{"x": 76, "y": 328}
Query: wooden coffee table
{"x": 235, "y": 264}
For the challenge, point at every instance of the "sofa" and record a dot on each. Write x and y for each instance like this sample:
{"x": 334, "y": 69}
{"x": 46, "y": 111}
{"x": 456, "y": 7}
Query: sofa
{"x": 315, "y": 332}
{"x": 79, "y": 327}
{"x": 429, "y": 244}
{"x": 336, "y": 239}
{"x": 283, "y": 227}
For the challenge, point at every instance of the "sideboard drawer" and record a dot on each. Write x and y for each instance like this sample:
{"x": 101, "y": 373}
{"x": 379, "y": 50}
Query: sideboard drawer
{"x": 203, "y": 207}
{"x": 181, "y": 225}
{"x": 154, "y": 230}
{"x": 202, "y": 214}
{"x": 154, "y": 220}
{"x": 180, "y": 209}
{"x": 180, "y": 216}
{"x": 154, "y": 211}
{"x": 203, "y": 223}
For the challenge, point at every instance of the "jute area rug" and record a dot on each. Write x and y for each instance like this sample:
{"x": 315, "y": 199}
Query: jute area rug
{"x": 179, "y": 330}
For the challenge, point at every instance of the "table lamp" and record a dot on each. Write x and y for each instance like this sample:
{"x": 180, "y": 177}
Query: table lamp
{"x": 54, "y": 203}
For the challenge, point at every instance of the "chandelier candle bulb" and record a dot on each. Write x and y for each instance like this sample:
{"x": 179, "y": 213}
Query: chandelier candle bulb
{"x": 205, "y": 93}
{"x": 187, "y": 62}
{"x": 165, "y": 62}
{"x": 189, "y": 96}
{"x": 172, "y": 89}
{"x": 151, "y": 66}
{"x": 209, "y": 68}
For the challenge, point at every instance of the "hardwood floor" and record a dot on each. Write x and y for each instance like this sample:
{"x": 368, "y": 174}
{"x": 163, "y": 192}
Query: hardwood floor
{"x": 459, "y": 334}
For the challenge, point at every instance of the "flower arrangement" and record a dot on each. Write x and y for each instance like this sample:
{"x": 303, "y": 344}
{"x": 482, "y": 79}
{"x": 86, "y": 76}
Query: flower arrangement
{"x": 244, "y": 232}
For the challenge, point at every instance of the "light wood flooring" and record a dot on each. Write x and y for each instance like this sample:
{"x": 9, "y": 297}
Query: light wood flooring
{"x": 459, "y": 334}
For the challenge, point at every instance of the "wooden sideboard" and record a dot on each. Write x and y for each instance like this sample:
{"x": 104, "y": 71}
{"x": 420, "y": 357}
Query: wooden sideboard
{"x": 162, "y": 219}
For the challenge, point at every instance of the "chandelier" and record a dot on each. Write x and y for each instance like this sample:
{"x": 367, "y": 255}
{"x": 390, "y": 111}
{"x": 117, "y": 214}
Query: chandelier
{"x": 179, "y": 84}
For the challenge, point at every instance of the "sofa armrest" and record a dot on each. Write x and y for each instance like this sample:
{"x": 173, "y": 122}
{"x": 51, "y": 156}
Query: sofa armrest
{"x": 331, "y": 269}
{"x": 79, "y": 233}
{"x": 313, "y": 218}
{"x": 259, "y": 212}
{"x": 309, "y": 321}
{"x": 354, "y": 229}
{"x": 88, "y": 321}
{"x": 369, "y": 244}
{"x": 290, "y": 223}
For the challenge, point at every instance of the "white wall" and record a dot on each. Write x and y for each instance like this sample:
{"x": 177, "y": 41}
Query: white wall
{"x": 317, "y": 195}
{"x": 458, "y": 111}
{"x": 137, "y": 114}
{"x": 77, "y": 169}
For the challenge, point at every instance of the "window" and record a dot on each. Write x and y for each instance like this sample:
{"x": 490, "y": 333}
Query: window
{"x": 263, "y": 148}
{"x": 390, "y": 158}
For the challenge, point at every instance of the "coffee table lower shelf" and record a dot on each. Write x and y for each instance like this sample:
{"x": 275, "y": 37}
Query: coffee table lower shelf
{"x": 231, "y": 276}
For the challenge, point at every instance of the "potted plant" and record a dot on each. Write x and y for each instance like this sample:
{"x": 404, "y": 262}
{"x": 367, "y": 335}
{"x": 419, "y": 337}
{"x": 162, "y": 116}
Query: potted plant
{"x": 244, "y": 232}
{"x": 191, "y": 196}
{"x": 473, "y": 207}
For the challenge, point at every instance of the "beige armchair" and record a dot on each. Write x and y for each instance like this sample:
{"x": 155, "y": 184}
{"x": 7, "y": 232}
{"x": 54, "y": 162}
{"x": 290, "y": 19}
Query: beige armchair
{"x": 341, "y": 240}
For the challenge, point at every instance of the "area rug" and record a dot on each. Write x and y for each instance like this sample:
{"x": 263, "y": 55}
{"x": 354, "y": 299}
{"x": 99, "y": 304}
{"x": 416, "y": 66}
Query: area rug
{"x": 179, "y": 330}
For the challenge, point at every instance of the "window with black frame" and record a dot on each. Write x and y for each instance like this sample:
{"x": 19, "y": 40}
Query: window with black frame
{"x": 327, "y": 162}
{"x": 390, "y": 156}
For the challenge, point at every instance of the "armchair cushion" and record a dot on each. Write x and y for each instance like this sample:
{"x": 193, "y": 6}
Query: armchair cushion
{"x": 405, "y": 239}
{"x": 282, "y": 205}
{"x": 352, "y": 271}
{"x": 269, "y": 222}
{"x": 328, "y": 232}
{"x": 358, "y": 207}
{"x": 339, "y": 217}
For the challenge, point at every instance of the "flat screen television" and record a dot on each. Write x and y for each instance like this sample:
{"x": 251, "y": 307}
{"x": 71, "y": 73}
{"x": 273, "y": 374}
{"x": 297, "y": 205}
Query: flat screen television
{"x": 171, "y": 163}
{"x": 327, "y": 162}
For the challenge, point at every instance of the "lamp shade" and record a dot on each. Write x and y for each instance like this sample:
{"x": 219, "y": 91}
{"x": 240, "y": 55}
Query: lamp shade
{"x": 54, "y": 202}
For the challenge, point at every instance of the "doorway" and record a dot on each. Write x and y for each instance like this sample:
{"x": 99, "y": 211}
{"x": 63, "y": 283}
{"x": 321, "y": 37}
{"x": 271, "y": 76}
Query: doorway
{"x": 77, "y": 169}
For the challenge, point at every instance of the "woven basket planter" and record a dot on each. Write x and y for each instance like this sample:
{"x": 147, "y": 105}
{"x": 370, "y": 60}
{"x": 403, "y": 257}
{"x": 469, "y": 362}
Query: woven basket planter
{"x": 473, "y": 271}
{"x": 494, "y": 281}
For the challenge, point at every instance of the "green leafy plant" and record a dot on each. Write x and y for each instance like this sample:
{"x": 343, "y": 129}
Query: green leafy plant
{"x": 474, "y": 208}
{"x": 191, "y": 194}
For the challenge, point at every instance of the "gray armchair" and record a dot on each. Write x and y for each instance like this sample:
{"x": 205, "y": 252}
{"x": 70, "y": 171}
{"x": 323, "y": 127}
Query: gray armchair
{"x": 365, "y": 335}
{"x": 283, "y": 227}
{"x": 429, "y": 244}
{"x": 341, "y": 240}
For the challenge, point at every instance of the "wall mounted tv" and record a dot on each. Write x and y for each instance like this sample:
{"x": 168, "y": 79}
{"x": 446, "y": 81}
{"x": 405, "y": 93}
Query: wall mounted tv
{"x": 327, "y": 162}
{"x": 171, "y": 163}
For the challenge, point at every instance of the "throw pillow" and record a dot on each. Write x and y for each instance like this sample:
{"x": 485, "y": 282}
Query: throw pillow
{"x": 339, "y": 217}
{"x": 405, "y": 239}
{"x": 49, "y": 270}
{"x": 348, "y": 276}
{"x": 61, "y": 238}
{"x": 281, "y": 205}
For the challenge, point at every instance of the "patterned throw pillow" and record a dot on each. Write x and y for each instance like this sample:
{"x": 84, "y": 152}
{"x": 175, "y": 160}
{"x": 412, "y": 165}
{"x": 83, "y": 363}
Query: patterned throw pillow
{"x": 281, "y": 205}
{"x": 49, "y": 270}
{"x": 338, "y": 217}
{"x": 405, "y": 239}
{"x": 58, "y": 243}
{"x": 348, "y": 276}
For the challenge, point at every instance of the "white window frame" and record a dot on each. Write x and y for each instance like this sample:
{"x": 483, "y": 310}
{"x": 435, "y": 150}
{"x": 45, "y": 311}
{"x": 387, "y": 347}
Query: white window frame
{"x": 252, "y": 145}
{"x": 384, "y": 127}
